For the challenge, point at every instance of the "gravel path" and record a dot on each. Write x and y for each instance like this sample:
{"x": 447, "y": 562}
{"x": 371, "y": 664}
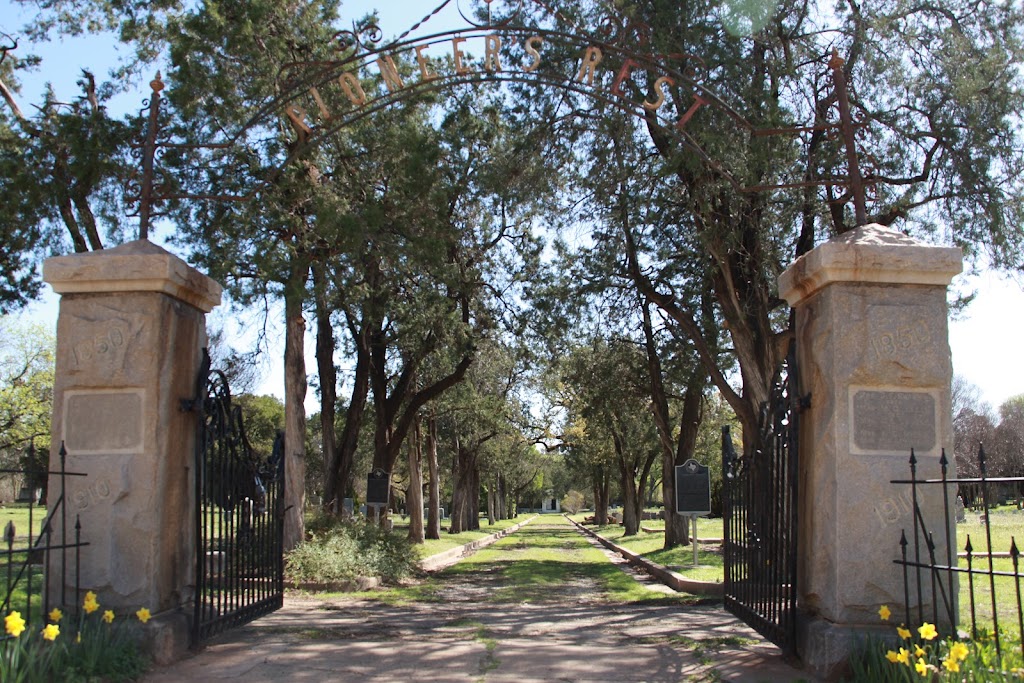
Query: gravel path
{"x": 474, "y": 622}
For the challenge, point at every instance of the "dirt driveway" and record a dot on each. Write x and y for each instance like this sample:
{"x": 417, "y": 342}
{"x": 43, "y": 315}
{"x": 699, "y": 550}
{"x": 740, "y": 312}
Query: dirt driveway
{"x": 482, "y": 621}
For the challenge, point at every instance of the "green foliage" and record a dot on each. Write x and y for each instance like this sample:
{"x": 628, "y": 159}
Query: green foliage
{"x": 26, "y": 385}
{"x": 99, "y": 647}
{"x": 263, "y": 416}
{"x": 573, "y": 502}
{"x": 342, "y": 550}
{"x": 922, "y": 654}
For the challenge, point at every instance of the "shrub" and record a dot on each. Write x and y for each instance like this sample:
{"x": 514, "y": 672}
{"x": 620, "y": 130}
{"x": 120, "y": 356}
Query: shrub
{"x": 341, "y": 550}
{"x": 573, "y": 502}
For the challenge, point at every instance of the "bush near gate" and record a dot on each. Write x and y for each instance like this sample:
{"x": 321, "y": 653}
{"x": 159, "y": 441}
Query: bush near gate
{"x": 338, "y": 550}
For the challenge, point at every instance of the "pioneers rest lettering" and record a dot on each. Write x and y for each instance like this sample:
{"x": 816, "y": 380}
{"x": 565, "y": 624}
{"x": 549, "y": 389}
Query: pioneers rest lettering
{"x": 590, "y": 71}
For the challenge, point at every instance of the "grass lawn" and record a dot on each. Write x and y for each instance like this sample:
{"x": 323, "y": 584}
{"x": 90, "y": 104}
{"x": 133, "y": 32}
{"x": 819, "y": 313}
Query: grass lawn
{"x": 18, "y": 514}
{"x": 710, "y": 565}
{"x": 12, "y": 567}
{"x": 449, "y": 541}
{"x": 1006, "y": 523}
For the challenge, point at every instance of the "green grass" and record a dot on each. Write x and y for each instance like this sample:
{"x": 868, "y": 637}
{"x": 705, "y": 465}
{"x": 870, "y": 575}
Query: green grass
{"x": 1005, "y": 523}
{"x": 710, "y": 565}
{"x": 449, "y": 541}
{"x": 536, "y": 562}
{"x": 18, "y": 513}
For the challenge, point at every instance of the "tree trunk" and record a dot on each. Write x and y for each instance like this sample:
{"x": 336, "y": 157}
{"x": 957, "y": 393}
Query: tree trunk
{"x": 602, "y": 484}
{"x": 474, "y": 498}
{"x": 339, "y": 472}
{"x": 295, "y": 411}
{"x": 502, "y": 505}
{"x": 490, "y": 504}
{"x": 459, "y": 491}
{"x": 433, "y": 530}
{"x": 328, "y": 373}
{"x": 414, "y": 496}
{"x": 631, "y": 506}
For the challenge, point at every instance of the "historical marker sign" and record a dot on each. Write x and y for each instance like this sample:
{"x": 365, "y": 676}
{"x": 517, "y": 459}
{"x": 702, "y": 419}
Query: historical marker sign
{"x": 378, "y": 487}
{"x": 693, "y": 489}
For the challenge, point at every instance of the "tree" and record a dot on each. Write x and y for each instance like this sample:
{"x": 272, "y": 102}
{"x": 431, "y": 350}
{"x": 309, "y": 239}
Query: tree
{"x": 610, "y": 392}
{"x": 755, "y": 202}
{"x": 26, "y": 384}
{"x": 225, "y": 58}
{"x": 62, "y": 173}
{"x": 26, "y": 398}
{"x": 973, "y": 425}
{"x": 573, "y": 502}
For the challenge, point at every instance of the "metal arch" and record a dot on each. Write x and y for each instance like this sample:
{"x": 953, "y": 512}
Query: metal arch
{"x": 355, "y": 61}
{"x": 441, "y": 83}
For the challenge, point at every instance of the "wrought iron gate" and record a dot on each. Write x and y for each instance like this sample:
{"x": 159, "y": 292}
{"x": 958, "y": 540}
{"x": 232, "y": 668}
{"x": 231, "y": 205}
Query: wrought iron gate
{"x": 760, "y": 509}
{"x": 239, "y": 516}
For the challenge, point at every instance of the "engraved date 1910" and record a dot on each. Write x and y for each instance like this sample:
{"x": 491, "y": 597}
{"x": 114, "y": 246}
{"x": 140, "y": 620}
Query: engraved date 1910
{"x": 903, "y": 338}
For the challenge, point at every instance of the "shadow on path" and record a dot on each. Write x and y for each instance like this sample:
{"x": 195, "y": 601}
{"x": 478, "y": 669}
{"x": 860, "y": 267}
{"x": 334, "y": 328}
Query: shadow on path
{"x": 529, "y": 608}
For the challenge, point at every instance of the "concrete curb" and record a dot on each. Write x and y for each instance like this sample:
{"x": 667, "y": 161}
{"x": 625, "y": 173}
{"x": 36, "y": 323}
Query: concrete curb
{"x": 450, "y": 557}
{"x": 666, "y": 576}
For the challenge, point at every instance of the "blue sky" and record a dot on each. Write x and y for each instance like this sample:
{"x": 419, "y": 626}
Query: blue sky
{"x": 984, "y": 339}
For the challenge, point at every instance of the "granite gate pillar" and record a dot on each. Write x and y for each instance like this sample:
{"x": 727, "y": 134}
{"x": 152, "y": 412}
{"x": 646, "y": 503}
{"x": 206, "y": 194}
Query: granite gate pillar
{"x": 130, "y": 334}
{"x": 873, "y": 352}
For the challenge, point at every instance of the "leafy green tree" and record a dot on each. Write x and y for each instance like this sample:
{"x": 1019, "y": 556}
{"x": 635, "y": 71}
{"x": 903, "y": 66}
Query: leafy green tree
{"x": 264, "y": 418}
{"x": 26, "y": 384}
{"x": 926, "y": 119}
{"x": 62, "y": 175}
{"x": 610, "y": 392}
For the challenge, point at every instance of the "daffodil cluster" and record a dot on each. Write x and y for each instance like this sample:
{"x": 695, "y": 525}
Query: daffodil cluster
{"x": 85, "y": 656}
{"x": 925, "y": 656}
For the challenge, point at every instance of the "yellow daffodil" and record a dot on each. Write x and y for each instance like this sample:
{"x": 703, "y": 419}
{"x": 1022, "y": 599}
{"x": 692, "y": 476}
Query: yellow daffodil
{"x": 14, "y": 623}
{"x": 903, "y": 632}
{"x": 921, "y": 667}
{"x": 958, "y": 651}
{"x": 918, "y": 651}
{"x": 51, "y": 632}
{"x": 90, "y": 605}
{"x": 143, "y": 615}
{"x": 951, "y": 664}
{"x": 904, "y": 656}
{"x": 892, "y": 656}
{"x": 108, "y": 616}
{"x": 928, "y": 631}
{"x": 56, "y": 615}
{"x": 78, "y": 638}
{"x": 884, "y": 612}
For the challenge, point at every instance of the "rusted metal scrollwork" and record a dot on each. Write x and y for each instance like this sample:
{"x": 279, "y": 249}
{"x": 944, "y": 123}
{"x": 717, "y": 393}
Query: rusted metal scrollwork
{"x": 363, "y": 37}
{"x": 516, "y": 8}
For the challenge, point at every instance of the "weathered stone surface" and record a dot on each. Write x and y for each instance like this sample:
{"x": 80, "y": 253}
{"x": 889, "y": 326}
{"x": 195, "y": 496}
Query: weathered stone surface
{"x": 872, "y": 253}
{"x": 129, "y": 339}
{"x": 138, "y": 266}
{"x": 873, "y": 352}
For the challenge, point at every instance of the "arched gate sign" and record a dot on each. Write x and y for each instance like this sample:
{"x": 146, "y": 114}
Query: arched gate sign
{"x": 525, "y": 42}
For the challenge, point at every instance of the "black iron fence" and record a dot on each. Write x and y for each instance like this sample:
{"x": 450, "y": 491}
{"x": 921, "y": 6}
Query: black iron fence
{"x": 759, "y": 500}
{"x": 992, "y": 574}
{"x": 239, "y": 516}
{"x": 41, "y": 567}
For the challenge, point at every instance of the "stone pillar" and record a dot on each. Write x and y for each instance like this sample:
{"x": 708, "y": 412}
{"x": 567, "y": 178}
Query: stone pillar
{"x": 130, "y": 334}
{"x": 873, "y": 352}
